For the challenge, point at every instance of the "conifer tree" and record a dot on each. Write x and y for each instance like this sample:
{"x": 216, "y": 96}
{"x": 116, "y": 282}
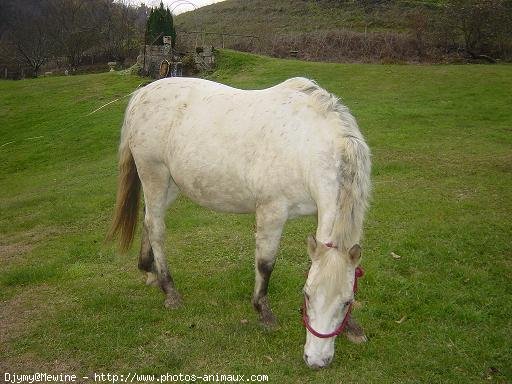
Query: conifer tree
{"x": 160, "y": 22}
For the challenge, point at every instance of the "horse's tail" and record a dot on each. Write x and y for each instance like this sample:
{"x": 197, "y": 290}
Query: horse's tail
{"x": 126, "y": 211}
{"x": 355, "y": 189}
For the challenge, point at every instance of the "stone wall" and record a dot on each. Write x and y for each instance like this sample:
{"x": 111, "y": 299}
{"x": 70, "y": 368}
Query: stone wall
{"x": 204, "y": 59}
{"x": 155, "y": 54}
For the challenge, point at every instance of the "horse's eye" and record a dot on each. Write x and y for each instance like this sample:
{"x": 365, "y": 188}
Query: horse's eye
{"x": 347, "y": 303}
{"x": 306, "y": 296}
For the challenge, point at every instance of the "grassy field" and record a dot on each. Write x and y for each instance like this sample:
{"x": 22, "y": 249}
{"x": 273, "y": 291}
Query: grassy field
{"x": 441, "y": 138}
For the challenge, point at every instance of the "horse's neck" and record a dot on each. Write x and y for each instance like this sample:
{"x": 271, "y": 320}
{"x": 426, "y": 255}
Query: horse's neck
{"x": 335, "y": 227}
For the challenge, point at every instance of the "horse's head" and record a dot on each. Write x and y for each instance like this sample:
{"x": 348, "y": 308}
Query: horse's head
{"x": 329, "y": 292}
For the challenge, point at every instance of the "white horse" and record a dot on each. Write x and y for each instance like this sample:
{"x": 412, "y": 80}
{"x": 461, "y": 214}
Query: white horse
{"x": 282, "y": 152}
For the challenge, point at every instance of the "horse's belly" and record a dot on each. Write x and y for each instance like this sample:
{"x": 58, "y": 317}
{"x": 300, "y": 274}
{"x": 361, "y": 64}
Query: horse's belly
{"x": 225, "y": 192}
{"x": 218, "y": 200}
{"x": 214, "y": 190}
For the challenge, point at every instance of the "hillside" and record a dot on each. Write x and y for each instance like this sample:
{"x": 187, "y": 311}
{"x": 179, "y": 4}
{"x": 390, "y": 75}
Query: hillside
{"x": 442, "y": 197}
{"x": 261, "y": 17}
{"x": 355, "y": 31}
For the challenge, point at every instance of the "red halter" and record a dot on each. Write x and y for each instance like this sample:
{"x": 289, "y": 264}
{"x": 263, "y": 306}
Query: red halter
{"x": 305, "y": 318}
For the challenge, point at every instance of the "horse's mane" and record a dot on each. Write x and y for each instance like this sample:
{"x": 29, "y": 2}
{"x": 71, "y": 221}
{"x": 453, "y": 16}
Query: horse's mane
{"x": 325, "y": 103}
{"x": 356, "y": 168}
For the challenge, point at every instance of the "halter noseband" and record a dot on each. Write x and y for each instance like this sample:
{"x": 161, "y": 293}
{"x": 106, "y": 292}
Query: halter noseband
{"x": 305, "y": 318}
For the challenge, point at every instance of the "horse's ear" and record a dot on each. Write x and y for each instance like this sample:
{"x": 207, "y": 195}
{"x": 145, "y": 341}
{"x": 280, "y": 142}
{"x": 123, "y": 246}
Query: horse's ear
{"x": 311, "y": 246}
{"x": 355, "y": 254}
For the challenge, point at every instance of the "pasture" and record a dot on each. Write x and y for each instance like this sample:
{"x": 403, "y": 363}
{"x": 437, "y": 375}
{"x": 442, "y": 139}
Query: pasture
{"x": 441, "y": 138}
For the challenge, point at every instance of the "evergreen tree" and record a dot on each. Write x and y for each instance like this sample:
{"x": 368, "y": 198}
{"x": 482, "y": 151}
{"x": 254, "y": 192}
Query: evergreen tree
{"x": 160, "y": 22}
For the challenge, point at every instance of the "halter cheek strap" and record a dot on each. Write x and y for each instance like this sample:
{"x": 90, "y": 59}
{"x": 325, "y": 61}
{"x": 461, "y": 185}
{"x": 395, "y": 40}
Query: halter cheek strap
{"x": 305, "y": 318}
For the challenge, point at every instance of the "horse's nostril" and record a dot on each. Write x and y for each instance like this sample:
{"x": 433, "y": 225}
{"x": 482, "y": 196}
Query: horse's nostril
{"x": 327, "y": 361}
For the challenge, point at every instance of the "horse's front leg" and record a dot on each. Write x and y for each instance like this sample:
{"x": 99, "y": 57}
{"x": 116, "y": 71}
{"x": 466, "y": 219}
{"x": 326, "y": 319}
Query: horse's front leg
{"x": 270, "y": 220}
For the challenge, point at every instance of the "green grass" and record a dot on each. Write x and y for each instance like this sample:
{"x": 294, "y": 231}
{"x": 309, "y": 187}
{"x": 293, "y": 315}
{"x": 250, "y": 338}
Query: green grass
{"x": 441, "y": 138}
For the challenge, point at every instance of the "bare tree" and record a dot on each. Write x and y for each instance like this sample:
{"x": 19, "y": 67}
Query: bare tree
{"x": 76, "y": 27}
{"x": 120, "y": 35}
{"x": 32, "y": 31}
{"x": 483, "y": 25}
{"x": 26, "y": 30}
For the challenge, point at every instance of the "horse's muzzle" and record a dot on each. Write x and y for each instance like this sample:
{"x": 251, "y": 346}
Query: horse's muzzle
{"x": 317, "y": 363}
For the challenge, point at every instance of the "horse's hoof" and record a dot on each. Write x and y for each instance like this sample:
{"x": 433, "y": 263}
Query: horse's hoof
{"x": 151, "y": 279}
{"x": 355, "y": 332}
{"x": 269, "y": 321}
{"x": 356, "y": 339}
{"x": 270, "y": 326}
{"x": 173, "y": 301}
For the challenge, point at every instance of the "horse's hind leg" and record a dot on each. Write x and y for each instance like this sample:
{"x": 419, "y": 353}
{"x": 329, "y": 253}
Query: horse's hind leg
{"x": 269, "y": 226}
{"x": 159, "y": 192}
{"x": 146, "y": 257}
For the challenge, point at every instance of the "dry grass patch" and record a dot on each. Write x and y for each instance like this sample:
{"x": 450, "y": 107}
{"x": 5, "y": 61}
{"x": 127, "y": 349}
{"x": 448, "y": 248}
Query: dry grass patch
{"x": 19, "y": 315}
{"x": 15, "y": 246}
